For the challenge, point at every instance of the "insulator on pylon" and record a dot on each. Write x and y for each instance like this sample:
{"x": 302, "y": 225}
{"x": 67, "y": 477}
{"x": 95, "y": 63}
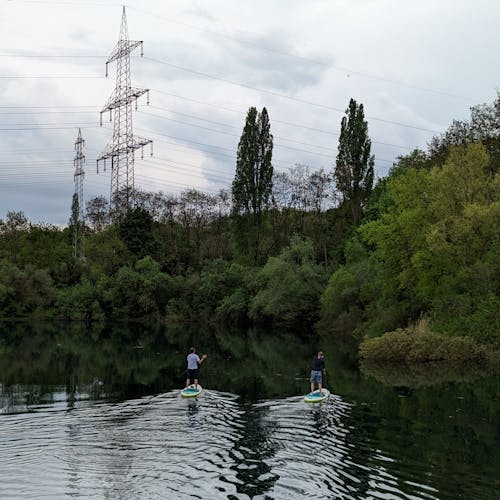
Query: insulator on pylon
{"x": 121, "y": 148}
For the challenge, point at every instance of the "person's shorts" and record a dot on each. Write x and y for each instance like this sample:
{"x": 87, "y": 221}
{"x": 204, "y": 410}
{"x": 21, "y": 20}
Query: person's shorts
{"x": 193, "y": 374}
{"x": 316, "y": 377}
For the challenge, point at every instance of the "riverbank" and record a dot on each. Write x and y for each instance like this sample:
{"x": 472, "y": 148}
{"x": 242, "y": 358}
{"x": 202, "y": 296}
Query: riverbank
{"x": 419, "y": 344}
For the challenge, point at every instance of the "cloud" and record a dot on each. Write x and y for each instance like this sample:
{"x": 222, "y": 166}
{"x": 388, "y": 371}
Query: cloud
{"x": 410, "y": 45}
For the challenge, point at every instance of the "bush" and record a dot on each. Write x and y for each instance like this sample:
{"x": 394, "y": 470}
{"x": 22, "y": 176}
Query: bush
{"x": 289, "y": 286}
{"x": 417, "y": 344}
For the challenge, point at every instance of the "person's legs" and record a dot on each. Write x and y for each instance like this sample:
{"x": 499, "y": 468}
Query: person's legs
{"x": 196, "y": 383}
{"x": 188, "y": 382}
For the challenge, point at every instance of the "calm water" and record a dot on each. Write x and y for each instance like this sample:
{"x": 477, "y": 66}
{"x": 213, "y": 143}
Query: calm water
{"x": 97, "y": 414}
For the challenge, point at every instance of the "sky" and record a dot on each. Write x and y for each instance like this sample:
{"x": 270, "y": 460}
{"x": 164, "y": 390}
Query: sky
{"x": 415, "y": 65}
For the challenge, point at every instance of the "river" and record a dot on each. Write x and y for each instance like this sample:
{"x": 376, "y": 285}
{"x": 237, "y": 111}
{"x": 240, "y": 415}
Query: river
{"x": 96, "y": 413}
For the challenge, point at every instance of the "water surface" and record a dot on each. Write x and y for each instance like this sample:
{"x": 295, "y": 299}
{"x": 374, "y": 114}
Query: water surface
{"x": 97, "y": 414}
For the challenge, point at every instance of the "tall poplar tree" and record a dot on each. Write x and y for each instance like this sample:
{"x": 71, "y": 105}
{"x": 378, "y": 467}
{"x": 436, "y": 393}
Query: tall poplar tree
{"x": 253, "y": 181}
{"x": 354, "y": 166}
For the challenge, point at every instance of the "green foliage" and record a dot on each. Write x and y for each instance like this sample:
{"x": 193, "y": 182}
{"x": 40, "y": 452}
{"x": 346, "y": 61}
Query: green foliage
{"x": 136, "y": 292}
{"x": 427, "y": 244}
{"x": 432, "y": 250}
{"x": 79, "y": 302}
{"x": 417, "y": 344}
{"x": 252, "y": 184}
{"x": 106, "y": 252}
{"x": 483, "y": 127}
{"x": 218, "y": 280}
{"x": 289, "y": 286}
{"x": 24, "y": 292}
{"x": 135, "y": 230}
{"x": 354, "y": 166}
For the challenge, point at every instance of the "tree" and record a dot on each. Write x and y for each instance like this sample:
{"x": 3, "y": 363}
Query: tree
{"x": 13, "y": 231}
{"x": 136, "y": 231}
{"x": 289, "y": 286}
{"x": 483, "y": 126}
{"x": 354, "y": 167}
{"x": 98, "y": 213}
{"x": 253, "y": 180}
{"x": 254, "y": 172}
{"x": 76, "y": 226}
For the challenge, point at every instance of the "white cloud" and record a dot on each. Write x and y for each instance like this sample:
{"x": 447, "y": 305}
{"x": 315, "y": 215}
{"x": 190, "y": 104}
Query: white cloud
{"x": 449, "y": 46}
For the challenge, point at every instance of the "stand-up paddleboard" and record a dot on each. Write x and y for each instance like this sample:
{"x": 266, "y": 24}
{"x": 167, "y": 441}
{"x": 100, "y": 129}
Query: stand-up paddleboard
{"x": 316, "y": 396}
{"x": 191, "y": 391}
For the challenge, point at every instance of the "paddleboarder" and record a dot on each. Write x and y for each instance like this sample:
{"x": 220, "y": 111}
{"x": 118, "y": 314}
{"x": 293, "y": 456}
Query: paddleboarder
{"x": 193, "y": 364}
{"x": 318, "y": 364}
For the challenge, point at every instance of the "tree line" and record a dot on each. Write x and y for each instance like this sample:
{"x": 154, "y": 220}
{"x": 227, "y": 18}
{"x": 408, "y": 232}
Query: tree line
{"x": 293, "y": 247}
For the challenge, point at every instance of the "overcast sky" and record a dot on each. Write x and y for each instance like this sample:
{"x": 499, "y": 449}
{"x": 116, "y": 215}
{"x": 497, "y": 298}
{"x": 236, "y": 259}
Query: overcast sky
{"x": 415, "y": 65}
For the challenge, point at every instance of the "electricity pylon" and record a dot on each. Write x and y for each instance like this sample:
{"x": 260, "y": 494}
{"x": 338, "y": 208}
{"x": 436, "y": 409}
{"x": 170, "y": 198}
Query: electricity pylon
{"x": 77, "y": 218}
{"x": 121, "y": 149}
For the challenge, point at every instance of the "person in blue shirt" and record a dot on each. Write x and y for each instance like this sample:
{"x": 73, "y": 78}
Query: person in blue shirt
{"x": 193, "y": 364}
{"x": 318, "y": 363}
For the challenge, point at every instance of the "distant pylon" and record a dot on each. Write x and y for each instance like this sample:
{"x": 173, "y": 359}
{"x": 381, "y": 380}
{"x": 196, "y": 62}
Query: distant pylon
{"x": 79, "y": 162}
{"x": 121, "y": 149}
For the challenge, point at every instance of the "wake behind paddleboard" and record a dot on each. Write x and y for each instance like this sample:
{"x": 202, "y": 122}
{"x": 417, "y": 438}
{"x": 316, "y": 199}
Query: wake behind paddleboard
{"x": 316, "y": 397}
{"x": 191, "y": 391}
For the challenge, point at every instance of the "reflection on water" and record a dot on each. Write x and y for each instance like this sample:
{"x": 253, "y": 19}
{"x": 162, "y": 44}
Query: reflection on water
{"x": 98, "y": 418}
{"x": 162, "y": 446}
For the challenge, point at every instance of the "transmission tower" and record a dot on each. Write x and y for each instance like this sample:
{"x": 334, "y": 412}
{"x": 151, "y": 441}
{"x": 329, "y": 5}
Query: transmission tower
{"x": 121, "y": 149}
{"x": 79, "y": 175}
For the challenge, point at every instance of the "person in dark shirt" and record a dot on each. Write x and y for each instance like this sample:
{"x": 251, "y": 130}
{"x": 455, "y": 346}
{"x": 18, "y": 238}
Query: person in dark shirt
{"x": 318, "y": 363}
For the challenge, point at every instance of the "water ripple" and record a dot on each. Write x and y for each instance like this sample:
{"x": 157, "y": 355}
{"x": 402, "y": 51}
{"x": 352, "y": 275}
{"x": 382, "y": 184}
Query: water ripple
{"x": 215, "y": 447}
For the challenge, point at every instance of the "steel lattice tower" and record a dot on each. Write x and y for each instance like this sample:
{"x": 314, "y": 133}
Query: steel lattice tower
{"x": 79, "y": 175}
{"x": 122, "y": 148}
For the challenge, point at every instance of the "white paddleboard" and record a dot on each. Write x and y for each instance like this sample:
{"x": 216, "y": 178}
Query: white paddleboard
{"x": 316, "y": 397}
{"x": 191, "y": 391}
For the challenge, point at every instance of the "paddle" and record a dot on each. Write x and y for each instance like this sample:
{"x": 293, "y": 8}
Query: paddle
{"x": 326, "y": 376}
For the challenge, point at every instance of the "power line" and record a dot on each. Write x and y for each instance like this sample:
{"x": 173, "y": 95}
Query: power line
{"x": 233, "y": 135}
{"x": 52, "y": 123}
{"x": 327, "y": 65}
{"x": 238, "y": 135}
{"x": 279, "y": 94}
{"x": 47, "y": 107}
{"x": 55, "y": 77}
{"x": 52, "y": 56}
{"x": 160, "y": 182}
{"x": 163, "y": 167}
{"x": 231, "y": 82}
{"x": 274, "y": 120}
{"x": 45, "y": 128}
{"x": 52, "y": 2}
{"x": 184, "y": 164}
{"x": 44, "y": 112}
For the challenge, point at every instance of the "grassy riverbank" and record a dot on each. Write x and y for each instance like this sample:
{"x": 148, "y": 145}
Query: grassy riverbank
{"x": 418, "y": 344}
